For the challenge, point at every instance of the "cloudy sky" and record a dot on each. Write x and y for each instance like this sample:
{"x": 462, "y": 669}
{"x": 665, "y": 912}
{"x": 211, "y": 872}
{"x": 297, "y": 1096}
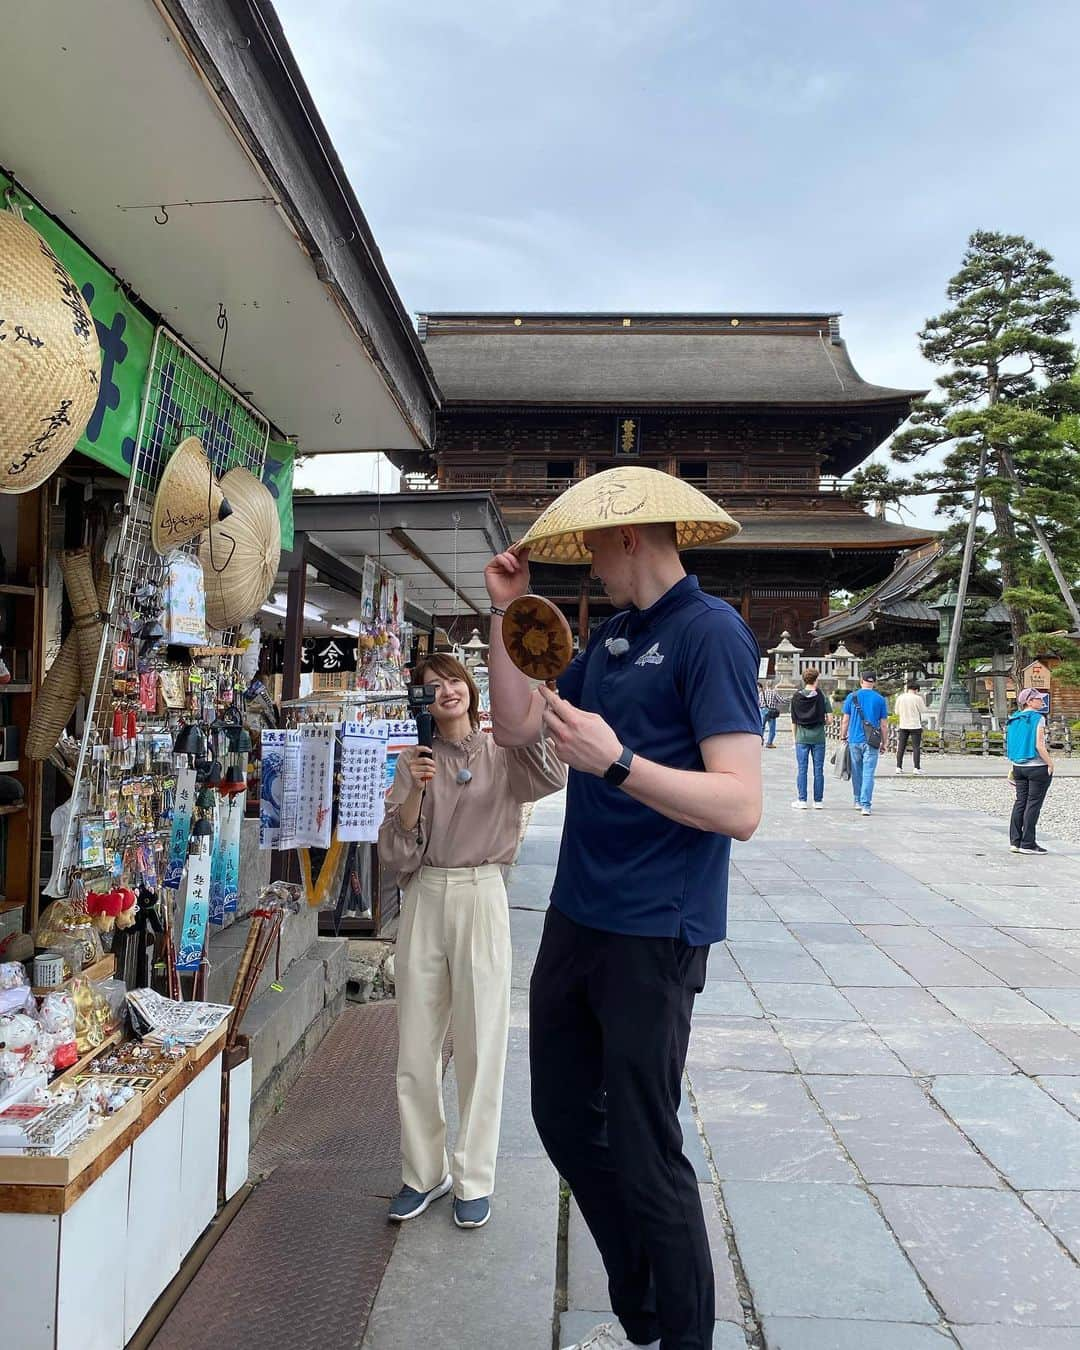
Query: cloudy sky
{"x": 688, "y": 154}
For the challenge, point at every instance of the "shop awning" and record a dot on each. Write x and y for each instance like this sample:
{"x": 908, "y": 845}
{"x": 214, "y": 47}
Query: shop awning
{"x": 438, "y": 542}
{"x": 177, "y": 141}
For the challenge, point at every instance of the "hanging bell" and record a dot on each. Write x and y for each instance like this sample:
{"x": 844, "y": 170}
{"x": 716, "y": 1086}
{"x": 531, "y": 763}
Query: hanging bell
{"x": 205, "y": 799}
{"x": 212, "y": 779}
{"x": 190, "y": 740}
{"x": 234, "y": 783}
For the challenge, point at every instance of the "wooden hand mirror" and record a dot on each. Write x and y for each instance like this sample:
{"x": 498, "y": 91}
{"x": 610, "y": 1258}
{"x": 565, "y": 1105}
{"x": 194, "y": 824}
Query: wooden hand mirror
{"x": 537, "y": 638}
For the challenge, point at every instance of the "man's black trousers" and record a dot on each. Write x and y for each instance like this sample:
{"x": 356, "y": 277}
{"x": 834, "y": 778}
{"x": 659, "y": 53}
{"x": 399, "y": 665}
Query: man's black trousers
{"x": 609, "y": 1024}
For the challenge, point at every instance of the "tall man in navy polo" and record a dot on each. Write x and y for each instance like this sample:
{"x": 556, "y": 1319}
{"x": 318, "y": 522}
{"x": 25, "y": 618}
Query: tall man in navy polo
{"x": 658, "y": 720}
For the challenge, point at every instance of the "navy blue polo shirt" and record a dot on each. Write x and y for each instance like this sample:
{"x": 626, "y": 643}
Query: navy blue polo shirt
{"x": 690, "y": 673}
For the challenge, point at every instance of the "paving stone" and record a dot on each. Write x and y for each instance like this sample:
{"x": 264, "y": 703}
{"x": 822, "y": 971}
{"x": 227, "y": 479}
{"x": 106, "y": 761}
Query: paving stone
{"x": 722, "y": 964}
{"x": 843, "y": 934}
{"x": 1049, "y": 1049}
{"x": 943, "y": 1048}
{"x": 1032, "y": 970}
{"x": 519, "y": 1243}
{"x": 895, "y": 1006}
{"x": 894, "y": 1134}
{"x": 750, "y": 907}
{"x": 586, "y": 1278}
{"x": 1047, "y": 939}
{"x": 864, "y": 965}
{"x": 728, "y": 1307}
{"x": 574, "y": 1326}
{"x": 693, "y": 1147}
{"x": 727, "y": 998}
{"x": 934, "y": 909}
{"x": 751, "y": 931}
{"x": 1060, "y": 1211}
{"x": 806, "y": 1002}
{"x": 1028, "y": 1136}
{"x": 1064, "y": 1004}
{"x": 1063, "y": 1088}
{"x": 984, "y": 1257}
{"x": 902, "y": 934}
{"x": 517, "y": 1134}
{"x": 765, "y": 1127}
{"x": 1016, "y": 1338}
{"x": 975, "y": 938}
{"x": 986, "y": 1006}
{"x": 933, "y": 968}
{"x": 773, "y": 962}
{"x": 736, "y": 1042}
{"x": 838, "y": 1047}
{"x": 529, "y": 886}
{"x": 804, "y": 907}
{"x": 821, "y": 1251}
{"x": 828, "y": 1333}
{"x": 869, "y": 907}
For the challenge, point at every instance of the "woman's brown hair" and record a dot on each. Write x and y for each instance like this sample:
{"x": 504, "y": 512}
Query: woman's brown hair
{"x": 450, "y": 668}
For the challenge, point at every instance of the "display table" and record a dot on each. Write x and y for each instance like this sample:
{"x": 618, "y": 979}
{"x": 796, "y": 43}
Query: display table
{"x": 94, "y": 1236}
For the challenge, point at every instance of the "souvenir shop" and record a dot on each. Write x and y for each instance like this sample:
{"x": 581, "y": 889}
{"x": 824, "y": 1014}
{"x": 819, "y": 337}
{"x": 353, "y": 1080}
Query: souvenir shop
{"x": 140, "y": 533}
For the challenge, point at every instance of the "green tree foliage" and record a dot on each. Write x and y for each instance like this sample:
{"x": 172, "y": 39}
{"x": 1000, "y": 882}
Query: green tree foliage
{"x": 891, "y": 664}
{"x": 1007, "y": 393}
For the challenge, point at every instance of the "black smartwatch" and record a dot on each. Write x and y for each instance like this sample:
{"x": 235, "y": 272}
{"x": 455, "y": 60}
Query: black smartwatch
{"x": 618, "y": 772}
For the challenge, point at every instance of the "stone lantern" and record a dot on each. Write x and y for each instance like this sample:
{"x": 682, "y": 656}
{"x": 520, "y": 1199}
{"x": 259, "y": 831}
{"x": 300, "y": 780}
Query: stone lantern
{"x": 844, "y": 670}
{"x": 958, "y": 712}
{"x": 473, "y": 650}
{"x": 787, "y": 666}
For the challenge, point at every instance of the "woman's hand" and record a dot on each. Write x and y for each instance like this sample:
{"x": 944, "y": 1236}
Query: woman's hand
{"x": 420, "y": 764}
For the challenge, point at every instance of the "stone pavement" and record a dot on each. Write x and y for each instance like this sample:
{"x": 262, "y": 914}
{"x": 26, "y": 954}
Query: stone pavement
{"x": 883, "y": 1103}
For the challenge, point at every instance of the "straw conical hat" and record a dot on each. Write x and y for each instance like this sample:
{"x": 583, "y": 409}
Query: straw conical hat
{"x": 50, "y": 361}
{"x": 627, "y": 495}
{"x": 188, "y": 498}
{"x": 240, "y": 556}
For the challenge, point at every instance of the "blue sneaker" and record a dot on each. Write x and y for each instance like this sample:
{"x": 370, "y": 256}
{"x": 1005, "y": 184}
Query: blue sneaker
{"x": 410, "y": 1204}
{"x": 471, "y": 1213}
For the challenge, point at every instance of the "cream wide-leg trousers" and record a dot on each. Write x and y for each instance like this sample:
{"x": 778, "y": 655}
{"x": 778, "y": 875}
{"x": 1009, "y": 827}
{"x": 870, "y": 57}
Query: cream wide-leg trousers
{"x": 452, "y": 971}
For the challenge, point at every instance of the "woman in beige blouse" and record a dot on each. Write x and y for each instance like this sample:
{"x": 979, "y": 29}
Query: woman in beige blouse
{"x": 453, "y": 822}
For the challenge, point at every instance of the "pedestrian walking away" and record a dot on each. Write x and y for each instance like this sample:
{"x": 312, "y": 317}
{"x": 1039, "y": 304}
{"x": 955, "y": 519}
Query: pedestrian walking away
{"x": 1031, "y": 771}
{"x": 910, "y": 713}
{"x": 808, "y": 710}
{"x": 770, "y": 714}
{"x": 658, "y": 720}
{"x": 865, "y": 727}
{"x": 453, "y": 822}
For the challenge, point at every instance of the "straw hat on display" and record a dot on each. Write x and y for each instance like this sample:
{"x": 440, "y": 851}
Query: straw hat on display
{"x": 188, "y": 498}
{"x": 627, "y": 495}
{"x": 240, "y": 557}
{"x": 50, "y": 361}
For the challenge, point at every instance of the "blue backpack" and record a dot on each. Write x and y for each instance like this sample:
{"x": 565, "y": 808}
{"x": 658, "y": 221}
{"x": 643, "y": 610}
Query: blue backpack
{"x": 1020, "y": 732}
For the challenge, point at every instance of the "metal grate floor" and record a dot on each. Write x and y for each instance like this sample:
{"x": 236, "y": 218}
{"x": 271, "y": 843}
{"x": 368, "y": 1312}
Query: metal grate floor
{"x": 301, "y": 1264}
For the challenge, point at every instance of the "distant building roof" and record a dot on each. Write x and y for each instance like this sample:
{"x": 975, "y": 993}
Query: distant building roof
{"x": 895, "y": 599}
{"x": 643, "y": 360}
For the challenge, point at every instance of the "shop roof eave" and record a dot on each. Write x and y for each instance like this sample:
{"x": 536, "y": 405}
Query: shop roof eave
{"x": 242, "y": 51}
{"x": 405, "y": 510}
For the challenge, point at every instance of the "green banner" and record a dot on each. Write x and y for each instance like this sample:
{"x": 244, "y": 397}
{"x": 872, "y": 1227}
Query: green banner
{"x": 125, "y": 334}
{"x": 278, "y": 477}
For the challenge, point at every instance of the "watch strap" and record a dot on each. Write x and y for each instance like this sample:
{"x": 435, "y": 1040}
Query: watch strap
{"x": 617, "y": 773}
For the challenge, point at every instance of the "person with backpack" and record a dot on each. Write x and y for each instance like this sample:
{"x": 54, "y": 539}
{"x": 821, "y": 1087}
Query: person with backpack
{"x": 1032, "y": 769}
{"x": 770, "y": 713}
{"x": 866, "y": 729}
{"x": 808, "y": 725}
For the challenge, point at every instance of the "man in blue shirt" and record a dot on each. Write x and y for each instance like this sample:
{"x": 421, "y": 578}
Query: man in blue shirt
{"x": 865, "y": 707}
{"x": 658, "y": 720}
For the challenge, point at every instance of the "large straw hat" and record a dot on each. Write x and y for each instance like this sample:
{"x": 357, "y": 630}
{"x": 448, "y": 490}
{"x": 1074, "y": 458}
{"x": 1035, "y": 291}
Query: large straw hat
{"x": 188, "y": 498}
{"x": 50, "y": 361}
{"x": 627, "y": 495}
{"x": 240, "y": 557}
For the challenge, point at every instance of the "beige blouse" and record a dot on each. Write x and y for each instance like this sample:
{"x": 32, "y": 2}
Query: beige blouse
{"x": 467, "y": 824}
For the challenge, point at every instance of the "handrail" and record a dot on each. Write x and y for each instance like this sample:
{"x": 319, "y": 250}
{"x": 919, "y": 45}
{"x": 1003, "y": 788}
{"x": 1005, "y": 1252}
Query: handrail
{"x": 780, "y": 483}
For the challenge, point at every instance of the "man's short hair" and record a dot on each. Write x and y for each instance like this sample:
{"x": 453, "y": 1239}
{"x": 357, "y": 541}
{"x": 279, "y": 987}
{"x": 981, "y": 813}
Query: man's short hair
{"x": 810, "y": 675}
{"x": 913, "y": 684}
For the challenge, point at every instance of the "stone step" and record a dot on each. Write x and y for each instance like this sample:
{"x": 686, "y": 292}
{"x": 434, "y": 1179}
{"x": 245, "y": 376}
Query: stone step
{"x": 298, "y": 932}
{"x": 284, "y": 1027}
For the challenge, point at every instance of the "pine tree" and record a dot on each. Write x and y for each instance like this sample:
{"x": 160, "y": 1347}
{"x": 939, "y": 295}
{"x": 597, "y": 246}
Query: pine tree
{"x": 1009, "y": 360}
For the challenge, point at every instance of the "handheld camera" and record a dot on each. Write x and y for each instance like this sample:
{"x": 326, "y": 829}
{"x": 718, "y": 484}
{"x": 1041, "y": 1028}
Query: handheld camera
{"x": 421, "y": 697}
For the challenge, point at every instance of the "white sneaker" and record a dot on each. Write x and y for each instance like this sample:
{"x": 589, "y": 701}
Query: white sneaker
{"x": 916, "y": 771}
{"x": 857, "y": 806}
{"x": 819, "y": 806}
{"x": 900, "y": 770}
{"x": 607, "y": 1336}
{"x": 865, "y": 810}
{"x": 799, "y": 806}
